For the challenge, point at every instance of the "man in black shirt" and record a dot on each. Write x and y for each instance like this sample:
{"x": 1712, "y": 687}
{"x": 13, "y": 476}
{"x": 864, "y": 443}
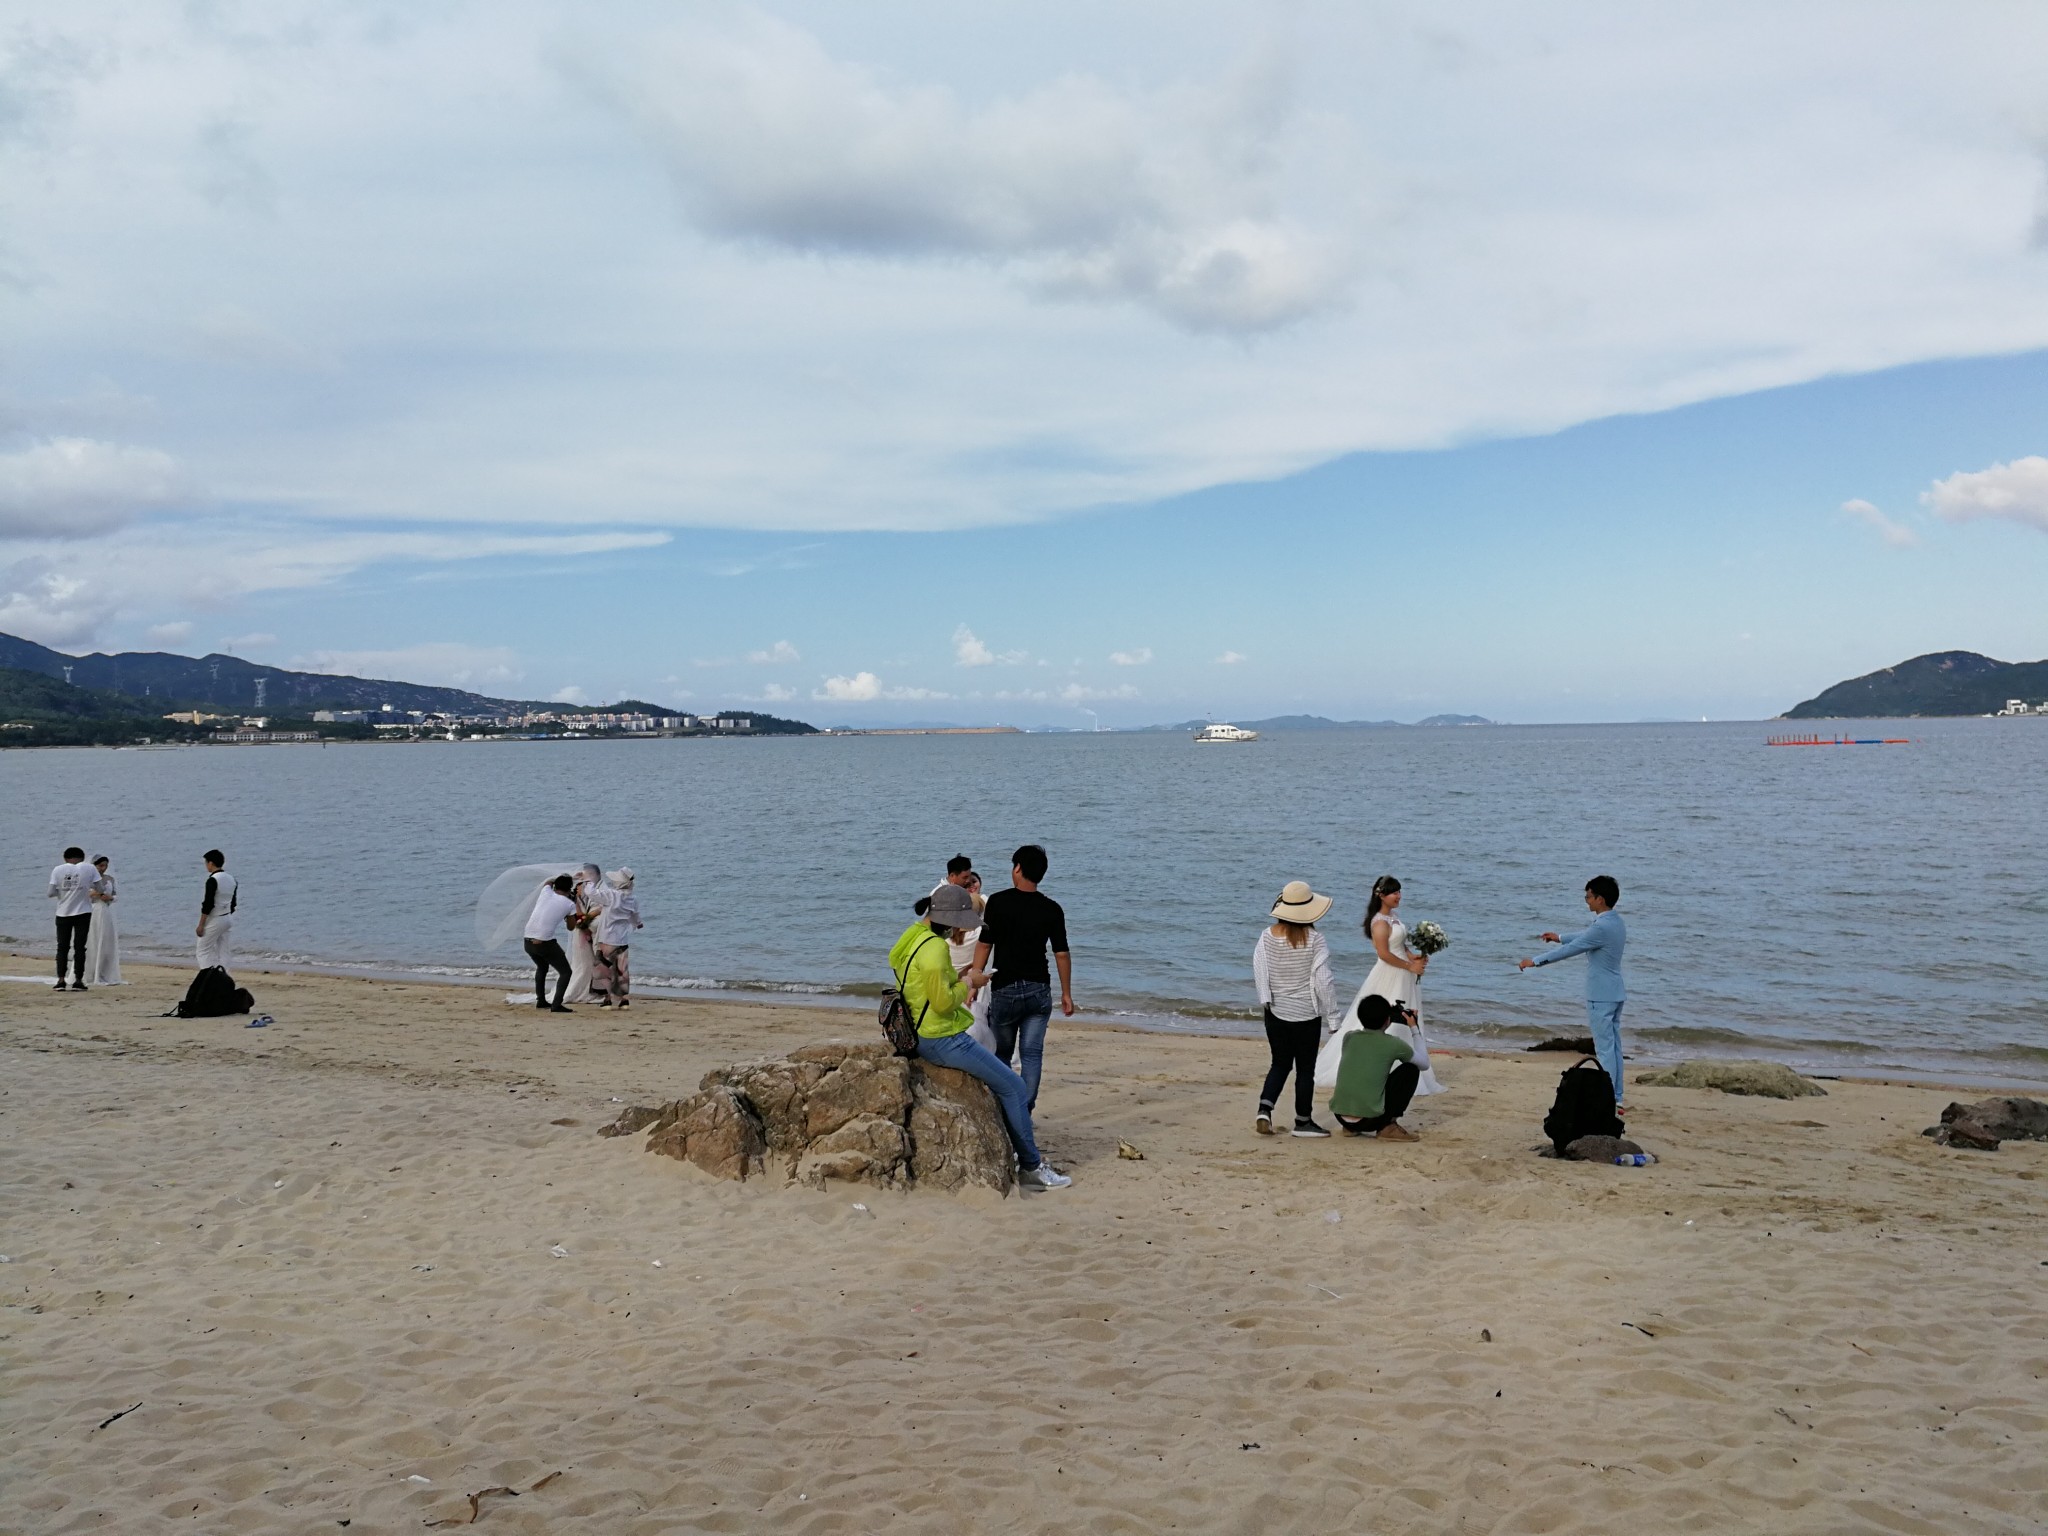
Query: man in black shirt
{"x": 1017, "y": 928}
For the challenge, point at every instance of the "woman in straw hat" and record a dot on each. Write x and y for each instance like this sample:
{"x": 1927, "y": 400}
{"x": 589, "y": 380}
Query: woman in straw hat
{"x": 1291, "y": 967}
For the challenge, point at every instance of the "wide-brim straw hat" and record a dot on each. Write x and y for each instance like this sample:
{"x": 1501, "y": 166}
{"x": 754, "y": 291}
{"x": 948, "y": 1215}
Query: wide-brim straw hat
{"x": 1299, "y": 904}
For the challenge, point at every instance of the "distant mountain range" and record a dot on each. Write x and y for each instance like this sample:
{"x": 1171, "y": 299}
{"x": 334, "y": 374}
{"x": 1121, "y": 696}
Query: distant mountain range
{"x": 156, "y": 682}
{"x": 1943, "y": 683}
{"x": 1322, "y": 723}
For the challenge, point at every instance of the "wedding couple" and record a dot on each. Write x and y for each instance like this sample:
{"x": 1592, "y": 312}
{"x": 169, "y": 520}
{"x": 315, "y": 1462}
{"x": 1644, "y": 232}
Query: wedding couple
{"x": 1374, "y": 1078}
{"x": 86, "y": 929}
{"x": 600, "y": 913}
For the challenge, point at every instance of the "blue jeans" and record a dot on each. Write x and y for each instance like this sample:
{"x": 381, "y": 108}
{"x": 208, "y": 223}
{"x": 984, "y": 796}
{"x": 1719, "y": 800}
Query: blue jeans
{"x": 1018, "y": 1016}
{"x": 963, "y": 1053}
{"x": 1605, "y": 1021}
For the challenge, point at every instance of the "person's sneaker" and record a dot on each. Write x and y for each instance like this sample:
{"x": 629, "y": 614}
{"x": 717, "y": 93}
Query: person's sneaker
{"x": 1044, "y": 1176}
{"x": 1353, "y": 1127}
{"x": 543, "y": 1007}
{"x": 1396, "y": 1132}
{"x": 61, "y": 987}
{"x": 1308, "y": 1128}
{"x": 78, "y": 986}
{"x": 560, "y": 1008}
{"x": 1264, "y": 1124}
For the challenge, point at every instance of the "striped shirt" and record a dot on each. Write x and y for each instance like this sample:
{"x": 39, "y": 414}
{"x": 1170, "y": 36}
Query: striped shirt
{"x": 1295, "y": 983}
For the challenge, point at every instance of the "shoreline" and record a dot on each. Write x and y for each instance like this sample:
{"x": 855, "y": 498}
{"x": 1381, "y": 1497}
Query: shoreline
{"x": 21, "y": 963}
{"x": 840, "y": 1004}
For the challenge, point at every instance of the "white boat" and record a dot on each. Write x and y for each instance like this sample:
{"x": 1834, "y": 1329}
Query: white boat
{"x": 1215, "y": 732}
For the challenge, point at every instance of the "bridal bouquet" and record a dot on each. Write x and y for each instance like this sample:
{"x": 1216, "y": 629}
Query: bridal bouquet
{"x": 1427, "y": 939}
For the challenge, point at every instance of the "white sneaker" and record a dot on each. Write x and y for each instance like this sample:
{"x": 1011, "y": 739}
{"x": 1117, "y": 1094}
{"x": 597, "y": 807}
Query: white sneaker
{"x": 1044, "y": 1176}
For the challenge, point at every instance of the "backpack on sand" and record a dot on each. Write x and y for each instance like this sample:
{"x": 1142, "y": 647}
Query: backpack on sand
{"x": 1584, "y": 1106}
{"x": 894, "y": 1014}
{"x": 212, "y": 995}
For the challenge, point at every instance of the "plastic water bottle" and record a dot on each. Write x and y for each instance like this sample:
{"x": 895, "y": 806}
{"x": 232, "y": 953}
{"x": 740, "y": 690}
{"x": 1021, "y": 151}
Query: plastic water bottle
{"x": 1634, "y": 1160}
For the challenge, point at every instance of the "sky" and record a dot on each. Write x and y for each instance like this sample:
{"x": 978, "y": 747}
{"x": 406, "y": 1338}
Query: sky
{"x": 1033, "y": 363}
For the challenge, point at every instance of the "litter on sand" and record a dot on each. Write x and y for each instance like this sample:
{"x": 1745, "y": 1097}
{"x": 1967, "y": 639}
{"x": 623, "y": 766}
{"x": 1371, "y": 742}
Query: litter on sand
{"x": 1333, "y": 1215}
{"x": 1325, "y": 1290}
{"x": 261, "y": 1021}
{"x": 559, "y": 1251}
{"x": 1128, "y": 1152}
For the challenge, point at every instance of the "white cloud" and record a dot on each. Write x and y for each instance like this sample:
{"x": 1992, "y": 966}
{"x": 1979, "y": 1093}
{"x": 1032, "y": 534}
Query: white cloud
{"x": 969, "y": 651}
{"x": 1811, "y": 190}
{"x": 57, "y": 592}
{"x": 1136, "y": 658}
{"x": 73, "y": 487}
{"x": 569, "y": 695}
{"x": 1894, "y": 533}
{"x": 776, "y": 693}
{"x": 778, "y": 653}
{"x": 865, "y": 688}
{"x": 1230, "y": 658}
{"x": 860, "y": 688}
{"x": 1168, "y": 199}
{"x": 1080, "y": 693}
{"x": 447, "y": 663}
{"x": 2017, "y": 492}
{"x": 170, "y": 634}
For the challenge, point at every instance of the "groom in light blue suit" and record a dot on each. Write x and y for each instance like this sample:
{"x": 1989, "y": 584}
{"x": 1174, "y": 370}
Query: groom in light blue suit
{"x": 1601, "y": 943}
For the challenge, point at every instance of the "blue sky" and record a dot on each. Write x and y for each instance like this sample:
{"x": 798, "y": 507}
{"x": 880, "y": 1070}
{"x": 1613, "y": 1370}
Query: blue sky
{"x": 903, "y": 364}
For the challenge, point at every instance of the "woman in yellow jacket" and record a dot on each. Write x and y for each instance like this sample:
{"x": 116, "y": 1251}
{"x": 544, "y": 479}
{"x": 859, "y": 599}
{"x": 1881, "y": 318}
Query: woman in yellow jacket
{"x": 938, "y": 999}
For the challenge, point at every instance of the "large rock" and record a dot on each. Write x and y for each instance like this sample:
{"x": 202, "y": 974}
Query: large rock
{"x": 2009, "y": 1119}
{"x": 1763, "y": 1079}
{"x": 837, "y": 1112}
{"x": 717, "y": 1130}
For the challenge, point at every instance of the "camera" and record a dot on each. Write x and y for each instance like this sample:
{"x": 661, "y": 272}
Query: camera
{"x": 1400, "y": 1013}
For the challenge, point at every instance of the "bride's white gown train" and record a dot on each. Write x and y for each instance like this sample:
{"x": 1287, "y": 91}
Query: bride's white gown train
{"x": 1398, "y": 986}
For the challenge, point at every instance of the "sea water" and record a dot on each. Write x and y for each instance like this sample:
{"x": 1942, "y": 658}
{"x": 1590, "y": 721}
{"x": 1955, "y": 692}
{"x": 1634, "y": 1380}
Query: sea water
{"x": 1848, "y": 909}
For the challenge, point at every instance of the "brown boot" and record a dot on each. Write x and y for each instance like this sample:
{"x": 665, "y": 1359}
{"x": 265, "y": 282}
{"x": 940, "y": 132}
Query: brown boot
{"x": 1395, "y": 1132}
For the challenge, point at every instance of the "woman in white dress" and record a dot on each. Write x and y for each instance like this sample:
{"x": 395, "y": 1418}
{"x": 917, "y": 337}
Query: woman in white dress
{"x": 591, "y": 900}
{"x": 103, "y": 939}
{"x": 1397, "y": 976}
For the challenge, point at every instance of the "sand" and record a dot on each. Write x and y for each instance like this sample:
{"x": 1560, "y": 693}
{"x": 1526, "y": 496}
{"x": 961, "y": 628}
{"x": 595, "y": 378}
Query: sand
{"x": 316, "y": 1265}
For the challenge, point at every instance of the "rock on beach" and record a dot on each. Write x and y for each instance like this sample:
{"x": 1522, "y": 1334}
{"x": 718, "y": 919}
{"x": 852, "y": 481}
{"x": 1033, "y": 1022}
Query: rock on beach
{"x": 835, "y": 1112}
{"x": 1762, "y": 1079}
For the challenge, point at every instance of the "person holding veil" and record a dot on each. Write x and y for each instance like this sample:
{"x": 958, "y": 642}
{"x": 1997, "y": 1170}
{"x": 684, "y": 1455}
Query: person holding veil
{"x": 611, "y": 977}
{"x": 103, "y": 942}
{"x": 1396, "y": 976}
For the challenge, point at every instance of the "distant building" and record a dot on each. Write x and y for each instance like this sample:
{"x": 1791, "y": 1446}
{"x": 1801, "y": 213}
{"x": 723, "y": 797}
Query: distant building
{"x": 194, "y": 717}
{"x": 341, "y": 716}
{"x": 246, "y": 737}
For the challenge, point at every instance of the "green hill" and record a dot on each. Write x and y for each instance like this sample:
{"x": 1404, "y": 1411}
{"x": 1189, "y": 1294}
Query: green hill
{"x": 39, "y": 711}
{"x": 1943, "y": 683}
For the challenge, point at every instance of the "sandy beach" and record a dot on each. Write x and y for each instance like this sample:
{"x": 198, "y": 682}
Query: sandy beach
{"x": 349, "y": 1270}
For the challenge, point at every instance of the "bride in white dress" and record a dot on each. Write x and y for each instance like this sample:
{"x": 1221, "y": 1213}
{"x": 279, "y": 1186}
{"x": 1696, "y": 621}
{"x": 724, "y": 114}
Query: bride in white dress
{"x": 1397, "y": 976}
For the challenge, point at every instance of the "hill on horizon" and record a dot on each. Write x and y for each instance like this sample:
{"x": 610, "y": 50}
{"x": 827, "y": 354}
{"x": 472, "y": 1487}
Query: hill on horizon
{"x": 153, "y": 683}
{"x": 1939, "y": 683}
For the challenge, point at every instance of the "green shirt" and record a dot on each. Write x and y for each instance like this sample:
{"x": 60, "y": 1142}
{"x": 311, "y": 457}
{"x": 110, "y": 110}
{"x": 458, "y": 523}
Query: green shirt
{"x": 1369, "y": 1055}
{"x": 936, "y": 995}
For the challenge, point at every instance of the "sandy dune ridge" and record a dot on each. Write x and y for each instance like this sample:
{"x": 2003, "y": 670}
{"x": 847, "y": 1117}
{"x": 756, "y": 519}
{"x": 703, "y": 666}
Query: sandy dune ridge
{"x": 319, "y": 1258}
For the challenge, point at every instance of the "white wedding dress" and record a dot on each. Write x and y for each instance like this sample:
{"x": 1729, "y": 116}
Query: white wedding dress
{"x": 103, "y": 939}
{"x": 1397, "y": 985}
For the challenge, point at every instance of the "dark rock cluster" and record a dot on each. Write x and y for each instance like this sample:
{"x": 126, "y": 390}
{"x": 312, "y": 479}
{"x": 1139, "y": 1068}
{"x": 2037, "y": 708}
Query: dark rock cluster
{"x": 1983, "y": 1125}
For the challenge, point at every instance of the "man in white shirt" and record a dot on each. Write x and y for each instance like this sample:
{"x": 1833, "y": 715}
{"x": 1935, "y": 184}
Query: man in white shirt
{"x": 71, "y": 889}
{"x": 555, "y": 905}
{"x": 216, "y": 911}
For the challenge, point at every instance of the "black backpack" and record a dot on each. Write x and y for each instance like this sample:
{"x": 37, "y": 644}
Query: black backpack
{"x": 212, "y": 995}
{"x": 1584, "y": 1106}
{"x": 894, "y": 1014}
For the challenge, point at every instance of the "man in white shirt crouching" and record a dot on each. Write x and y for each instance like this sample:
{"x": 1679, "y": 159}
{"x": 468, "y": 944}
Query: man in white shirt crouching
{"x": 216, "y": 911}
{"x": 71, "y": 888}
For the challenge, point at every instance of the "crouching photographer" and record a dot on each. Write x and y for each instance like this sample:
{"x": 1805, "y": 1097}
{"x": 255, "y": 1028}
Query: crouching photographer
{"x": 1377, "y": 1075}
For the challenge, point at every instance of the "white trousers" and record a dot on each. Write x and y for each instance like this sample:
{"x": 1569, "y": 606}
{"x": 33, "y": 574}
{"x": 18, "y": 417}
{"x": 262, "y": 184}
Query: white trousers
{"x": 213, "y": 944}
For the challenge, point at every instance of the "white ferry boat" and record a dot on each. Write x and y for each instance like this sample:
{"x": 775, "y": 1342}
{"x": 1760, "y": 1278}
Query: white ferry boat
{"x": 1225, "y": 733}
